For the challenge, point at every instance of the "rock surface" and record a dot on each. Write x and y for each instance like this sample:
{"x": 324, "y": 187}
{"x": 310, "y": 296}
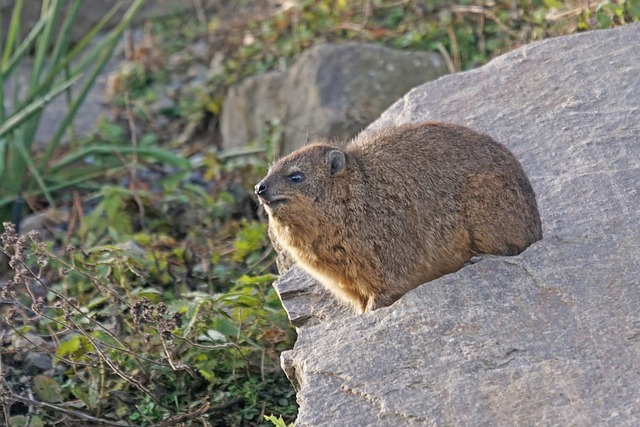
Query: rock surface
{"x": 332, "y": 91}
{"x": 549, "y": 337}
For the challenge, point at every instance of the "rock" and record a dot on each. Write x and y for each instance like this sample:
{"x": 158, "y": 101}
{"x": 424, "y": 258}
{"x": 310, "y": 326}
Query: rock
{"x": 200, "y": 49}
{"x": 43, "y": 221}
{"x": 548, "y": 337}
{"x": 306, "y": 302}
{"x": 26, "y": 352}
{"x": 250, "y": 107}
{"x": 331, "y": 91}
{"x": 37, "y": 361}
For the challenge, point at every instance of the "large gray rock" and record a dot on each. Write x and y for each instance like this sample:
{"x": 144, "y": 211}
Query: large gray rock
{"x": 549, "y": 337}
{"x": 332, "y": 91}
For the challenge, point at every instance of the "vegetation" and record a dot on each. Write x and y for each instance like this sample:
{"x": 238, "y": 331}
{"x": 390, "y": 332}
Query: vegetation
{"x": 146, "y": 297}
{"x": 467, "y": 33}
{"x": 132, "y": 341}
{"x": 55, "y": 66}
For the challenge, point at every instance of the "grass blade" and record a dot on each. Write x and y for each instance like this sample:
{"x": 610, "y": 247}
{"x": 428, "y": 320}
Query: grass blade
{"x": 13, "y": 31}
{"x": 3, "y": 153}
{"x": 26, "y": 158}
{"x": 43, "y": 42}
{"x": 62, "y": 43}
{"x": 84, "y": 42}
{"x": 105, "y": 54}
{"x": 156, "y": 153}
{"x": 9, "y": 63}
{"x": 88, "y": 59}
{"x": 25, "y": 113}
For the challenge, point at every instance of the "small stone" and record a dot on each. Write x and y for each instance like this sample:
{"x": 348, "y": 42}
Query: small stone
{"x": 200, "y": 49}
{"x": 37, "y": 361}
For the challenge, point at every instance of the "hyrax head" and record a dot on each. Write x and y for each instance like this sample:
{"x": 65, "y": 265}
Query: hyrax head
{"x": 301, "y": 179}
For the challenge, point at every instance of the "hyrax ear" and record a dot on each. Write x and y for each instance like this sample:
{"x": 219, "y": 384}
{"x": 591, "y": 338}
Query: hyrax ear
{"x": 336, "y": 161}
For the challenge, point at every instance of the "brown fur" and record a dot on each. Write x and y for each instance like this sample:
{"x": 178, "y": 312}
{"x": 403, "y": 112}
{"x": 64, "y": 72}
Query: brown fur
{"x": 398, "y": 208}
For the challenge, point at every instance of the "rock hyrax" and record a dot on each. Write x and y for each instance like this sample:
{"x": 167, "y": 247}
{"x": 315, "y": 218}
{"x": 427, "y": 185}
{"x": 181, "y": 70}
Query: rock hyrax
{"x": 397, "y": 208}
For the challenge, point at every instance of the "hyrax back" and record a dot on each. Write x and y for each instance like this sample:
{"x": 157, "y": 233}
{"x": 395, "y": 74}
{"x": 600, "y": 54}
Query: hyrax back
{"x": 397, "y": 208}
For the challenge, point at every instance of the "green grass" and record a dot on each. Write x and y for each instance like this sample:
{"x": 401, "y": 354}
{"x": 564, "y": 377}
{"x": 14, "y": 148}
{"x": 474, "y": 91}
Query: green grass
{"x": 56, "y": 65}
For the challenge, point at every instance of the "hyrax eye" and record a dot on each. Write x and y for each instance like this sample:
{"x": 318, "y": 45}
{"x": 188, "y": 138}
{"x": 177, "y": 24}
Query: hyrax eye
{"x": 296, "y": 177}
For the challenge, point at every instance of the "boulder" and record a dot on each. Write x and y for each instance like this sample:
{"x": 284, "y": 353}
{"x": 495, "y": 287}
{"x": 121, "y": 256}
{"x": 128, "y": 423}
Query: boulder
{"x": 548, "y": 337}
{"x": 331, "y": 91}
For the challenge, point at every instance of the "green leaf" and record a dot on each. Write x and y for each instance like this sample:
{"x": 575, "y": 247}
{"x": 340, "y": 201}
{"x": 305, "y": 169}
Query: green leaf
{"x": 21, "y": 421}
{"x": 251, "y": 238}
{"x": 239, "y": 299}
{"x": 8, "y": 63}
{"x": 634, "y": 9}
{"x": 552, "y": 4}
{"x": 106, "y": 338}
{"x": 83, "y": 396}
{"x": 157, "y": 154}
{"x": 76, "y": 346}
{"x": 69, "y": 346}
{"x": 152, "y": 294}
{"x": 604, "y": 20}
{"x": 207, "y": 366}
{"x": 277, "y": 422}
{"x": 225, "y": 326}
{"x": 256, "y": 280}
{"x": 207, "y": 374}
{"x": 147, "y": 140}
{"x": 47, "y": 389}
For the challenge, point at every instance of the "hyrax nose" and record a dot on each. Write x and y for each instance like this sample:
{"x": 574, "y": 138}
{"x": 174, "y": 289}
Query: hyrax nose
{"x": 260, "y": 188}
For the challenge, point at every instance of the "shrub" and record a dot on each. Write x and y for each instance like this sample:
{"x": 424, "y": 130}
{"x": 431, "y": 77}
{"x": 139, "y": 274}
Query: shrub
{"x": 121, "y": 349}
